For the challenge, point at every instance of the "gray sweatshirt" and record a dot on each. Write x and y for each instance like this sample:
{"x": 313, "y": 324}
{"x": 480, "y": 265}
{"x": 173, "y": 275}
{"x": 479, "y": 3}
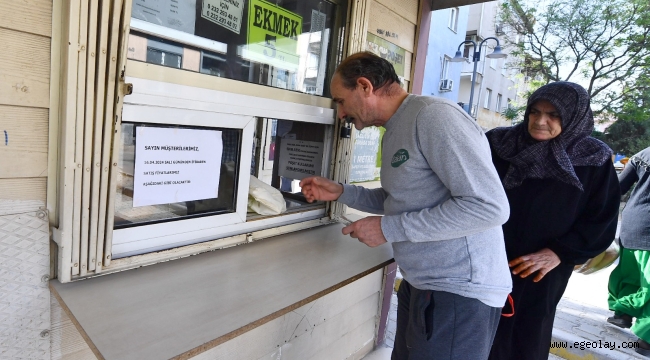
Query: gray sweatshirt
{"x": 443, "y": 201}
{"x": 635, "y": 227}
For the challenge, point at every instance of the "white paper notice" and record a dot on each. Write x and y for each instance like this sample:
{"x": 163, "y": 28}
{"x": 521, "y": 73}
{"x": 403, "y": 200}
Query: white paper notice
{"x": 175, "y": 14}
{"x": 173, "y": 165}
{"x": 300, "y": 159}
{"x": 227, "y": 13}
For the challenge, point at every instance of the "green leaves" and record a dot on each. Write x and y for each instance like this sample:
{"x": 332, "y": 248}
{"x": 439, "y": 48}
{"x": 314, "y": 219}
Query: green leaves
{"x": 600, "y": 44}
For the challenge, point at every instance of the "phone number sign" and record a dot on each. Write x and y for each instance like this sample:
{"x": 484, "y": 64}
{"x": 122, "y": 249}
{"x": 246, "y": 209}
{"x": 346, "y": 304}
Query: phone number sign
{"x": 227, "y": 13}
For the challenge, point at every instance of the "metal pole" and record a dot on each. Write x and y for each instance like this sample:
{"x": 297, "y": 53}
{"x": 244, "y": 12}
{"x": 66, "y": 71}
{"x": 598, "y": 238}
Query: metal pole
{"x": 471, "y": 91}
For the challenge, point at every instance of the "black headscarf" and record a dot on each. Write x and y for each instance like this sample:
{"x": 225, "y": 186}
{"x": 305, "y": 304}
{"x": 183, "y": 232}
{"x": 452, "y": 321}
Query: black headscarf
{"x": 554, "y": 158}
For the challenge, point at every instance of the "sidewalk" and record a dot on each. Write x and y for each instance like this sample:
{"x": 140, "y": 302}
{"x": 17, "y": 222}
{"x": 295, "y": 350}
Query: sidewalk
{"x": 581, "y": 317}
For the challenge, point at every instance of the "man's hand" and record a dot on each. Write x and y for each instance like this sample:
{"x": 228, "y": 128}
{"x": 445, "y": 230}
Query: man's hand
{"x": 319, "y": 188}
{"x": 543, "y": 261}
{"x": 367, "y": 230}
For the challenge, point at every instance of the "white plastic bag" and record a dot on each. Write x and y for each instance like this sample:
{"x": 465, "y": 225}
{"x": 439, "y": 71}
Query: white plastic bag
{"x": 264, "y": 199}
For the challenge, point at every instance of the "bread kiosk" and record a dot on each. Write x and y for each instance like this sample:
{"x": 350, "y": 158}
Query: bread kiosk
{"x": 149, "y": 190}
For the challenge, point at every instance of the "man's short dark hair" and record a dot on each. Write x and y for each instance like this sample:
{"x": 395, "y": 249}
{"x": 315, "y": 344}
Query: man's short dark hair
{"x": 368, "y": 65}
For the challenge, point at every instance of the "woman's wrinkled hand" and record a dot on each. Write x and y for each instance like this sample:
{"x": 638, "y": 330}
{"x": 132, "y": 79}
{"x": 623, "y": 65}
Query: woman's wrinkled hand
{"x": 542, "y": 262}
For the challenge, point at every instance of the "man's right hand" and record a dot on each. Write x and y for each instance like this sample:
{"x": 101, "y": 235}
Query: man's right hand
{"x": 319, "y": 188}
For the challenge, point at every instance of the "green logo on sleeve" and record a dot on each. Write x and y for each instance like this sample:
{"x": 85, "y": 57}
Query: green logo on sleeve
{"x": 400, "y": 157}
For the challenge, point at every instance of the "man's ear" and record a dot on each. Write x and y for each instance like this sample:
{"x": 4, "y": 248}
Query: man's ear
{"x": 365, "y": 85}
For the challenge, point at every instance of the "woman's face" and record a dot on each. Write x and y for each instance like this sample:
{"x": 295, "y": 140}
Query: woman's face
{"x": 544, "y": 122}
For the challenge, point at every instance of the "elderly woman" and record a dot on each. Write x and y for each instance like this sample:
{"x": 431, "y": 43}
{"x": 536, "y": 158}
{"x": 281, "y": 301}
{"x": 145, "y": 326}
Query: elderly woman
{"x": 564, "y": 199}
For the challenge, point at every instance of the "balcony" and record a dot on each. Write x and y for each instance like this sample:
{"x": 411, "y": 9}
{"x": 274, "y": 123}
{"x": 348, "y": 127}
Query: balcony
{"x": 468, "y": 68}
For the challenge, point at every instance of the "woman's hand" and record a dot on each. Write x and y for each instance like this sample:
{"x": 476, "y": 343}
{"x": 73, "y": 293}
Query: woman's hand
{"x": 320, "y": 188}
{"x": 543, "y": 261}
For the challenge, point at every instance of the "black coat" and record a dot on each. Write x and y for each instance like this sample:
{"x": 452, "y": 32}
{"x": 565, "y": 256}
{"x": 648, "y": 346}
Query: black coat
{"x": 576, "y": 225}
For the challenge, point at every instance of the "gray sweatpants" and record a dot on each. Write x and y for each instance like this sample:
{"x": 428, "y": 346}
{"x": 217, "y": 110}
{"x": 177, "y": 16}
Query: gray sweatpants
{"x": 434, "y": 325}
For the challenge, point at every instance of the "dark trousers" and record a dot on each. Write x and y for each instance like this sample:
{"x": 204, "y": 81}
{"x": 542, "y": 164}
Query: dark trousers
{"x": 527, "y": 335}
{"x": 436, "y": 325}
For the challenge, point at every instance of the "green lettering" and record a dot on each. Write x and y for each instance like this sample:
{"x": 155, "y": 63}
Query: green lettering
{"x": 285, "y": 28}
{"x": 258, "y": 16}
{"x": 267, "y": 19}
{"x": 277, "y": 22}
{"x": 294, "y": 29}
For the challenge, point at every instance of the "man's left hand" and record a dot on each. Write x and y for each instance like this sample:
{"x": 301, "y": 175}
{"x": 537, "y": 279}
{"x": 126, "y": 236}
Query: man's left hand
{"x": 367, "y": 230}
{"x": 543, "y": 261}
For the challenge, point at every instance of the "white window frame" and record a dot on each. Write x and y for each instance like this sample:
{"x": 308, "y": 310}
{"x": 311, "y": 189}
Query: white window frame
{"x": 453, "y": 19}
{"x": 488, "y": 98}
{"x": 498, "y": 106}
{"x": 177, "y": 36}
{"x": 444, "y": 71}
{"x": 166, "y": 103}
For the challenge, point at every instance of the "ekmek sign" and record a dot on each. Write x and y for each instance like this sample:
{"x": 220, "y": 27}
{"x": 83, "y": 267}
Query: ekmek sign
{"x": 272, "y": 35}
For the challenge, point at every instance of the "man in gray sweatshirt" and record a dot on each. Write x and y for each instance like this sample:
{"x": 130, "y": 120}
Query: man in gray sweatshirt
{"x": 443, "y": 207}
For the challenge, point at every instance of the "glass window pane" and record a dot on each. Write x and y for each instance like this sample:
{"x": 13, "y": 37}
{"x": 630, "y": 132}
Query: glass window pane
{"x": 283, "y": 44}
{"x": 290, "y": 151}
{"x": 169, "y": 173}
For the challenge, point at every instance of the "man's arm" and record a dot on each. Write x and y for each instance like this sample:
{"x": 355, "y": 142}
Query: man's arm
{"x": 319, "y": 188}
{"x": 360, "y": 198}
{"x": 458, "y": 153}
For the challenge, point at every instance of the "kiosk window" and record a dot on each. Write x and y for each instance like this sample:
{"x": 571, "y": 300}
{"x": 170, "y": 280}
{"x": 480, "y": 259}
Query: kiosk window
{"x": 291, "y": 151}
{"x": 283, "y": 44}
{"x": 173, "y": 172}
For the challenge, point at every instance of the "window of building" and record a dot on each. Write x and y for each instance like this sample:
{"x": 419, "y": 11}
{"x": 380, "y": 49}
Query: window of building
{"x": 444, "y": 73}
{"x": 498, "y": 106}
{"x": 254, "y": 41}
{"x": 488, "y": 98}
{"x": 468, "y": 51}
{"x": 453, "y": 19}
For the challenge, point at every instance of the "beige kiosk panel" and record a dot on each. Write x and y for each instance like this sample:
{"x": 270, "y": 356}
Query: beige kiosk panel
{"x": 408, "y": 61}
{"x": 23, "y": 189}
{"x": 31, "y": 16}
{"x": 25, "y": 70}
{"x": 24, "y": 141}
{"x": 383, "y": 20}
{"x": 191, "y": 305}
{"x": 408, "y": 9}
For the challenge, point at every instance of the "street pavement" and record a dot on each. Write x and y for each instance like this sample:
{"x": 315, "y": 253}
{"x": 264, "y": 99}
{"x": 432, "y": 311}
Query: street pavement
{"x": 580, "y": 318}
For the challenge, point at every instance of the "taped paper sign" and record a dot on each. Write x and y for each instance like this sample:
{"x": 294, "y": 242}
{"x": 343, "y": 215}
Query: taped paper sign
{"x": 174, "y": 165}
{"x": 174, "y": 14}
{"x": 300, "y": 159}
{"x": 387, "y": 50}
{"x": 227, "y": 13}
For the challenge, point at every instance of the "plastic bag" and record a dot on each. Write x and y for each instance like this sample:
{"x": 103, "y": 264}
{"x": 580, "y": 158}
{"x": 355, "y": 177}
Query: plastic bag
{"x": 264, "y": 199}
{"x": 600, "y": 261}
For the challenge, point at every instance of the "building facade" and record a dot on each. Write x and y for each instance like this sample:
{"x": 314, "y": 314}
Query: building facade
{"x": 448, "y": 29}
{"x": 496, "y": 85}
